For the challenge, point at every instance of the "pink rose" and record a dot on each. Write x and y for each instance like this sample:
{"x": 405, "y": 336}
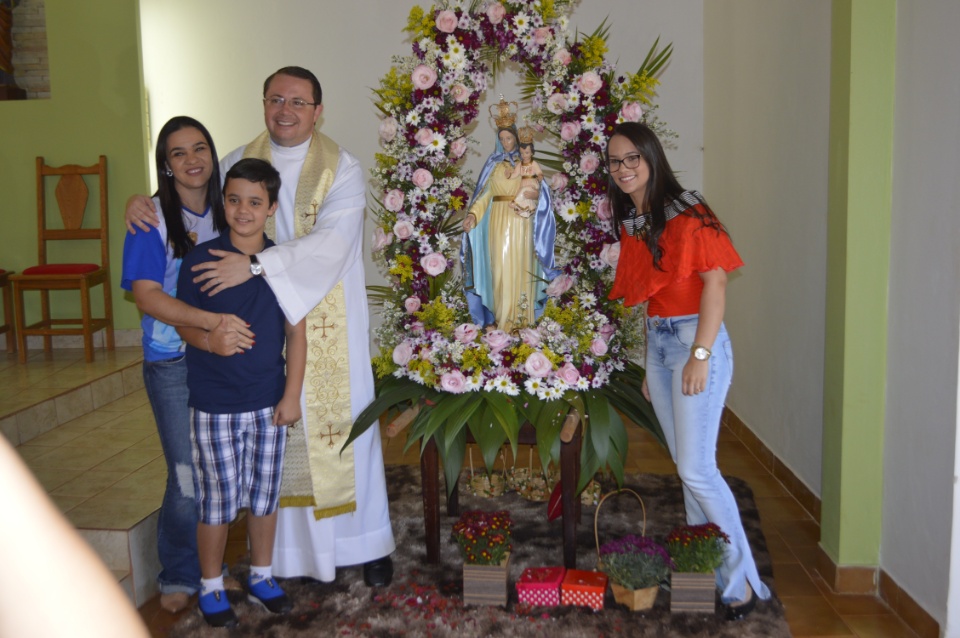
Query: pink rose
{"x": 381, "y": 239}
{"x": 393, "y": 200}
{"x": 631, "y": 112}
{"x": 458, "y": 148}
{"x": 604, "y": 211}
{"x": 559, "y": 285}
{"x": 590, "y": 82}
{"x": 541, "y": 35}
{"x": 496, "y": 340}
{"x": 388, "y": 129}
{"x": 447, "y": 21}
{"x": 416, "y": 327}
{"x": 563, "y": 57}
{"x": 558, "y": 182}
{"x": 530, "y": 337}
{"x": 403, "y": 230}
{"x": 610, "y": 254}
{"x": 453, "y": 382}
{"x": 459, "y": 93}
{"x": 466, "y": 333}
{"x": 557, "y": 103}
{"x": 424, "y": 136}
{"x": 589, "y": 162}
{"x": 568, "y": 373}
{"x": 423, "y": 77}
{"x": 403, "y": 353}
{"x": 422, "y": 179}
{"x": 433, "y": 264}
{"x": 495, "y": 12}
{"x": 412, "y": 304}
{"x": 569, "y": 131}
{"x": 538, "y": 365}
{"x": 606, "y": 331}
{"x": 598, "y": 347}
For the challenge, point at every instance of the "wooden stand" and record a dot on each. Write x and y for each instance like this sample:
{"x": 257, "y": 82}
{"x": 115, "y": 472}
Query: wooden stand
{"x": 486, "y": 584}
{"x": 569, "y": 475}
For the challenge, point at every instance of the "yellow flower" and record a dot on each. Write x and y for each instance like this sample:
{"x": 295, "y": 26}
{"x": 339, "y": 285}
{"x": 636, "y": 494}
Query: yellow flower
{"x": 583, "y": 209}
{"x": 456, "y": 203}
{"x": 383, "y": 364}
{"x": 475, "y": 359}
{"x": 548, "y": 10}
{"x": 420, "y": 23}
{"x": 593, "y": 50}
{"x": 403, "y": 268}
{"x": 436, "y": 315}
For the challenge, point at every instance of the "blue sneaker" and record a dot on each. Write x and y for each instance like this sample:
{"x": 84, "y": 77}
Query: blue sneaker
{"x": 267, "y": 594}
{"x": 216, "y": 609}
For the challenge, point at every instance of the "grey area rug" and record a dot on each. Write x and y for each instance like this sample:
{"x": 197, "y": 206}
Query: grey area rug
{"x": 425, "y": 600}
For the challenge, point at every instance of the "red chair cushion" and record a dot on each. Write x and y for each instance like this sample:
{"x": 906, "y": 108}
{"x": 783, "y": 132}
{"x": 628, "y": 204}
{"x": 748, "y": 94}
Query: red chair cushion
{"x": 61, "y": 269}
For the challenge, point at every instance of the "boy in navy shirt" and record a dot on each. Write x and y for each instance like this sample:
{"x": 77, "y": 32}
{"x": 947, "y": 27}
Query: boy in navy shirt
{"x": 238, "y": 403}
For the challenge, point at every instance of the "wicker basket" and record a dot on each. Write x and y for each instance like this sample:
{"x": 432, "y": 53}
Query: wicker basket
{"x": 633, "y": 599}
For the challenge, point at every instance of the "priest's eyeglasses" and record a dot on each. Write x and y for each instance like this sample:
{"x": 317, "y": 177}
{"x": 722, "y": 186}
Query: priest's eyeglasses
{"x": 630, "y": 161}
{"x": 277, "y": 102}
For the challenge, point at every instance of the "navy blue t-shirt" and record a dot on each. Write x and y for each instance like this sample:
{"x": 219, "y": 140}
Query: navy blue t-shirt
{"x": 245, "y": 382}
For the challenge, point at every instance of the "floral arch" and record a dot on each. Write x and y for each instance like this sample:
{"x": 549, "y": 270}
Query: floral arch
{"x": 577, "y": 355}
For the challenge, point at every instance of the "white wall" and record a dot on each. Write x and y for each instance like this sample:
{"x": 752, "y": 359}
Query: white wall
{"x": 920, "y": 477}
{"x": 209, "y": 59}
{"x": 766, "y": 101}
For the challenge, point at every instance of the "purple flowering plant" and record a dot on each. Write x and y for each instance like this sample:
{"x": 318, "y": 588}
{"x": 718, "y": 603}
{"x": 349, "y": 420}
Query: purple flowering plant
{"x": 635, "y": 562}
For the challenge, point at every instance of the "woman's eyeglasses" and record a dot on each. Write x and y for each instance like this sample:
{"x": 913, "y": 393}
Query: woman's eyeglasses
{"x": 277, "y": 102}
{"x": 630, "y": 161}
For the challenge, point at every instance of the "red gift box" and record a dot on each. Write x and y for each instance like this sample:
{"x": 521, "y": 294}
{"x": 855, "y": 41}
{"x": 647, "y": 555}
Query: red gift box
{"x": 540, "y": 585}
{"x": 583, "y": 588}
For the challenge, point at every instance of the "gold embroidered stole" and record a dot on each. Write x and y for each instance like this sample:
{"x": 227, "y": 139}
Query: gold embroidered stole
{"x": 315, "y": 474}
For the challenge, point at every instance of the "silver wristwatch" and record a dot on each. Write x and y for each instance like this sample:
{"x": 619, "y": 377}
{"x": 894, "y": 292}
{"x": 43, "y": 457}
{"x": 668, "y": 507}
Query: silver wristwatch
{"x": 256, "y": 268}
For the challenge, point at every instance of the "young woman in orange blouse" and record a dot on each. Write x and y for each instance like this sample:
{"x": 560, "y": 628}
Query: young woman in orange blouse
{"x": 675, "y": 254}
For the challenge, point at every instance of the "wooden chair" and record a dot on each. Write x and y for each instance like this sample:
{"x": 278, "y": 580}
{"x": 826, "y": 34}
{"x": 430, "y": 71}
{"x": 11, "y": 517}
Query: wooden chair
{"x": 71, "y": 194}
{"x": 7, "y": 326}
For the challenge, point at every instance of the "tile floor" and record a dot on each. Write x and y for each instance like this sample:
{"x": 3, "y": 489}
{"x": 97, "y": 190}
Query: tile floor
{"x": 106, "y": 464}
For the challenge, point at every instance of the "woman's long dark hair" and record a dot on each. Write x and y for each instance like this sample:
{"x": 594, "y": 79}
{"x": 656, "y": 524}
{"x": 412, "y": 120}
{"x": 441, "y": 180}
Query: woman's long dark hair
{"x": 170, "y": 204}
{"x": 662, "y": 188}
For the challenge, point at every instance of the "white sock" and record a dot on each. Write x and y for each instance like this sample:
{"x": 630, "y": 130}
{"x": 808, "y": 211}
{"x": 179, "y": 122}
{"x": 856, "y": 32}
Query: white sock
{"x": 208, "y": 585}
{"x": 260, "y": 573}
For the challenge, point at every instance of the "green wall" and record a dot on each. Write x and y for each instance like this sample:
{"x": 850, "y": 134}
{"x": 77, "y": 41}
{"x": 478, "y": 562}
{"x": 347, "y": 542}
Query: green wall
{"x": 858, "y": 260}
{"x": 96, "y": 108}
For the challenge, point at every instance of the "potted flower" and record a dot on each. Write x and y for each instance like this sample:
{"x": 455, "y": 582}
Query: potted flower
{"x": 697, "y": 551}
{"x": 637, "y": 566}
{"x": 484, "y": 541}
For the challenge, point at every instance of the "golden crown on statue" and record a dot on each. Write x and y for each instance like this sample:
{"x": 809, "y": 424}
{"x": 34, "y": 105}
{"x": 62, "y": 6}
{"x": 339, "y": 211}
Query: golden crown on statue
{"x": 506, "y": 113}
{"x": 525, "y": 134}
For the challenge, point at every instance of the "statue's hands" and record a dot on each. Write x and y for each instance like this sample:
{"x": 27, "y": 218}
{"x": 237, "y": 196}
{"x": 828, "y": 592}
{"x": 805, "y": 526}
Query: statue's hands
{"x": 469, "y": 222}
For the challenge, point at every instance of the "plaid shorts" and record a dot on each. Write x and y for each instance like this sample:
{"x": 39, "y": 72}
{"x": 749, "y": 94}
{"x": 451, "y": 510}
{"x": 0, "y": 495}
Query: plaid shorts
{"x": 239, "y": 462}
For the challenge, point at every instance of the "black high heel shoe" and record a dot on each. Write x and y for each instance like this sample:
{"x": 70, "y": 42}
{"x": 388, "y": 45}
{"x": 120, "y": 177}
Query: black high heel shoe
{"x": 739, "y": 610}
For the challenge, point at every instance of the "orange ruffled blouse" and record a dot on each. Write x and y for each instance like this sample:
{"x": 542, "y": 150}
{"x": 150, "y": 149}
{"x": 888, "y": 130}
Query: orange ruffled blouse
{"x": 689, "y": 248}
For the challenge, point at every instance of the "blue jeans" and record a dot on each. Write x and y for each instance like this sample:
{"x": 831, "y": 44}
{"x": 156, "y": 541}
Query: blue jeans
{"x": 166, "y": 386}
{"x": 691, "y": 425}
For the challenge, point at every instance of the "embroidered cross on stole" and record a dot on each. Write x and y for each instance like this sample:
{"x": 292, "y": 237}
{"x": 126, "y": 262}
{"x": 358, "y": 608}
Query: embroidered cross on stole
{"x": 315, "y": 474}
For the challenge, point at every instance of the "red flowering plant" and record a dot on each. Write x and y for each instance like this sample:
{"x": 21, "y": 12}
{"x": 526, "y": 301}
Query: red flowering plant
{"x": 483, "y": 537}
{"x": 697, "y": 548}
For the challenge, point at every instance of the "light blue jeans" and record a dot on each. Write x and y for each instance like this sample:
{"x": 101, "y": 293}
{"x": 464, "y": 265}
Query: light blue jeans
{"x": 166, "y": 386}
{"x": 691, "y": 425}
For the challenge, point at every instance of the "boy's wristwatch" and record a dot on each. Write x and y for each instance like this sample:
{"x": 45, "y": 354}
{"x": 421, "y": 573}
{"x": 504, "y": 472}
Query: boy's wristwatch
{"x": 256, "y": 268}
{"x": 700, "y": 353}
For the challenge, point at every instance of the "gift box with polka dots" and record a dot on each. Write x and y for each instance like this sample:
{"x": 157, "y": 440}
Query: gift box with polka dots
{"x": 583, "y": 588}
{"x": 540, "y": 586}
